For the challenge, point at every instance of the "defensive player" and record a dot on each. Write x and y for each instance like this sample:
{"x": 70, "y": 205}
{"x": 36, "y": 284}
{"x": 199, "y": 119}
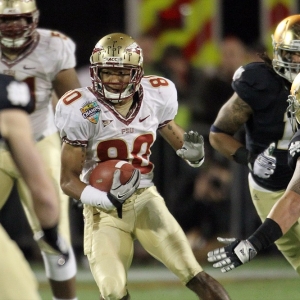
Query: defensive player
{"x": 259, "y": 103}
{"x": 118, "y": 118}
{"x": 284, "y": 214}
{"x": 45, "y": 60}
{"x": 16, "y": 279}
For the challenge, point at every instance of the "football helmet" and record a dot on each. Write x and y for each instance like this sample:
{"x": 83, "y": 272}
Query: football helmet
{"x": 15, "y": 34}
{"x": 293, "y": 109}
{"x": 286, "y": 42}
{"x": 116, "y": 50}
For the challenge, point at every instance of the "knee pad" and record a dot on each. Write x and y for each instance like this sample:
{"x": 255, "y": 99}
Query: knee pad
{"x": 56, "y": 271}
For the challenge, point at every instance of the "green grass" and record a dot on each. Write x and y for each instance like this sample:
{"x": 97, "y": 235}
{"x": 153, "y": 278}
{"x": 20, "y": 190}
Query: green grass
{"x": 262, "y": 279}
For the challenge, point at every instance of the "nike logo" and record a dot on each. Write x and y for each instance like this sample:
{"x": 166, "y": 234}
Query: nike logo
{"x": 143, "y": 119}
{"x": 27, "y": 68}
{"x": 120, "y": 196}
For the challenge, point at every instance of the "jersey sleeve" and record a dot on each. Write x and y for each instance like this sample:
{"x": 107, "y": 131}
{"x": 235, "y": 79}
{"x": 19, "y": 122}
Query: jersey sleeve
{"x": 62, "y": 50}
{"x": 168, "y": 111}
{"x": 254, "y": 83}
{"x": 294, "y": 150}
{"x": 73, "y": 128}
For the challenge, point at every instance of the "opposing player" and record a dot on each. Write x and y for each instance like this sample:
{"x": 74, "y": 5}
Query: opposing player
{"x": 118, "y": 118}
{"x": 259, "y": 103}
{"x": 284, "y": 214}
{"x": 45, "y": 60}
{"x": 16, "y": 279}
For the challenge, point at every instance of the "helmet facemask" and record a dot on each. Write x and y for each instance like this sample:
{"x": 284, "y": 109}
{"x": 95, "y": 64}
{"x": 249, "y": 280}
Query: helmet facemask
{"x": 293, "y": 109}
{"x": 18, "y": 22}
{"x": 104, "y": 89}
{"x": 119, "y": 55}
{"x": 284, "y": 65}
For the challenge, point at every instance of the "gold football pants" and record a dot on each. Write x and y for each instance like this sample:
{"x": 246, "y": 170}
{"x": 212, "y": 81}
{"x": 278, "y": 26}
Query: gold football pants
{"x": 17, "y": 281}
{"x": 108, "y": 241}
{"x": 289, "y": 244}
{"x": 50, "y": 150}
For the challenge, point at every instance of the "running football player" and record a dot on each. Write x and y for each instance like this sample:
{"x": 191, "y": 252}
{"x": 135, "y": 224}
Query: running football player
{"x": 283, "y": 215}
{"x": 16, "y": 278}
{"x": 259, "y": 103}
{"x": 117, "y": 117}
{"x": 45, "y": 60}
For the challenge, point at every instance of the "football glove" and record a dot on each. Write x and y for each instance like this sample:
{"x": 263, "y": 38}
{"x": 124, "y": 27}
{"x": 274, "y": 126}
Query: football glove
{"x": 265, "y": 163}
{"x": 120, "y": 192}
{"x": 236, "y": 253}
{"x": 192, "y": 149}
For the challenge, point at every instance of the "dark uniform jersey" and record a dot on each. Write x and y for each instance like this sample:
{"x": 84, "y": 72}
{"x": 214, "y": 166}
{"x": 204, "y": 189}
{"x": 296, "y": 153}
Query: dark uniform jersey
{"x": 14, "y": 94}
{"x": 266, "y": 93}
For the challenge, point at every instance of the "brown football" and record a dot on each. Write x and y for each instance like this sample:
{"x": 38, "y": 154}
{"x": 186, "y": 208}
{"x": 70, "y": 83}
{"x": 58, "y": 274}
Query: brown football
{"x": 102, "y": 175}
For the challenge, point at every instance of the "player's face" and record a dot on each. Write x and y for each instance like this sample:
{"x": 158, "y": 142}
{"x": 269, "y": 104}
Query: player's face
{"x": 13, "y": 26}
{"x": 115, "y": 79}
{"x": 291, "y": 56}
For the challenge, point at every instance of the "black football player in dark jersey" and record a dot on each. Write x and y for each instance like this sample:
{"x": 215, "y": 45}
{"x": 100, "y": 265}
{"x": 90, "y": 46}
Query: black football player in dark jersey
{"x": 284, "y": 214}
{"x": 259, "y": 103}
{"x": 16, "y": 134}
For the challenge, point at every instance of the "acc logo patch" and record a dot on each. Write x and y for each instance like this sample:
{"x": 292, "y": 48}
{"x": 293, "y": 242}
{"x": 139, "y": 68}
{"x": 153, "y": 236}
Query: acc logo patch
{"x": 91, "y": 111}
{"x": 106, "y": 122}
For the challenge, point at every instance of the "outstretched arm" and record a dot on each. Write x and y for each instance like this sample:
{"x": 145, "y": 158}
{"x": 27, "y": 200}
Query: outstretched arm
{"x": 286, "y": 211}
{"x": 16, "y": 129}
{"x": 188, "y": 145}
{"x": 281, "y": 218}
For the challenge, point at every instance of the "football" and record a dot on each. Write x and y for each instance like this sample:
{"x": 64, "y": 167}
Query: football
{"x": 102, "y": 175}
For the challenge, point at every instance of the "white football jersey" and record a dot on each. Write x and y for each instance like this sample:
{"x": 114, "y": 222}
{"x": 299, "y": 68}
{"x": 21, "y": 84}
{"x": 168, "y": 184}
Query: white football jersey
{"x": 84, "y": 120}
{"x": 50, "y": 53}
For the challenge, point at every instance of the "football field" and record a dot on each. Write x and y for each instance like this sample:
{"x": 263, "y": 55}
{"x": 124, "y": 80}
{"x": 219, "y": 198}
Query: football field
{"x": 262, "y": 279}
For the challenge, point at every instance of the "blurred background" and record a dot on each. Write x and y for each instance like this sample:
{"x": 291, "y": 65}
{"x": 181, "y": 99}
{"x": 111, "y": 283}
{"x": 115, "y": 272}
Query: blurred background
{"x": 198, "y": 44}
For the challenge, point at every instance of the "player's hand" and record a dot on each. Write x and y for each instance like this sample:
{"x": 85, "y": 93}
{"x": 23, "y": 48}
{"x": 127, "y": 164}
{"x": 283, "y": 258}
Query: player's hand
{"x": 192, "y": 149}
{"x": 265, "y": 163}
{"x": 120, "y": 192}
{"x": 233, "y": 255}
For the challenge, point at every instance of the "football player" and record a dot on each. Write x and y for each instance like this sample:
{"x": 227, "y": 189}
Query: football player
{"x": 283, "y": 215}
{"x": 259, "y": 104}
{"x": 16, "y": 279}
{"x": 45, "y": 60}
{"x": 117, "y": 117}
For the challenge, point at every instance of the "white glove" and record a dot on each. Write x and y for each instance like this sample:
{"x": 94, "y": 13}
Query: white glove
{"x": 192, "y": 149}
{"x": 265, "y": 163}
{"x": 233, "y": 255}
{"x": 120, "y": 192}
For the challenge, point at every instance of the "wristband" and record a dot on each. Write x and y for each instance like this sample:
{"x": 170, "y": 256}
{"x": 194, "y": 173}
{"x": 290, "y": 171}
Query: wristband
{"x": 196, "y": 164}
{"x": 266, "y": 234}
{"x": 95, "y": 197}
{"x": 51, "y": 234}
{"x": 241, "y": 156}
{"x": 244, "y": 157}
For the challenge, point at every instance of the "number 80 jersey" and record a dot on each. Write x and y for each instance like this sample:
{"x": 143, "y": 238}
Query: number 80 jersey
{"x": 83, "y": 120}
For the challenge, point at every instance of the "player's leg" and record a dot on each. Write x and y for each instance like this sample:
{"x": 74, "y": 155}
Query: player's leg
{"x": 8, "y": 172}
{"x": 62, "y": 278}
{"x": 160, "y": 234}
{"x": 289, "y": 244}
{"x": 108, "y": 245}
{"x": 17, "y": 280}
